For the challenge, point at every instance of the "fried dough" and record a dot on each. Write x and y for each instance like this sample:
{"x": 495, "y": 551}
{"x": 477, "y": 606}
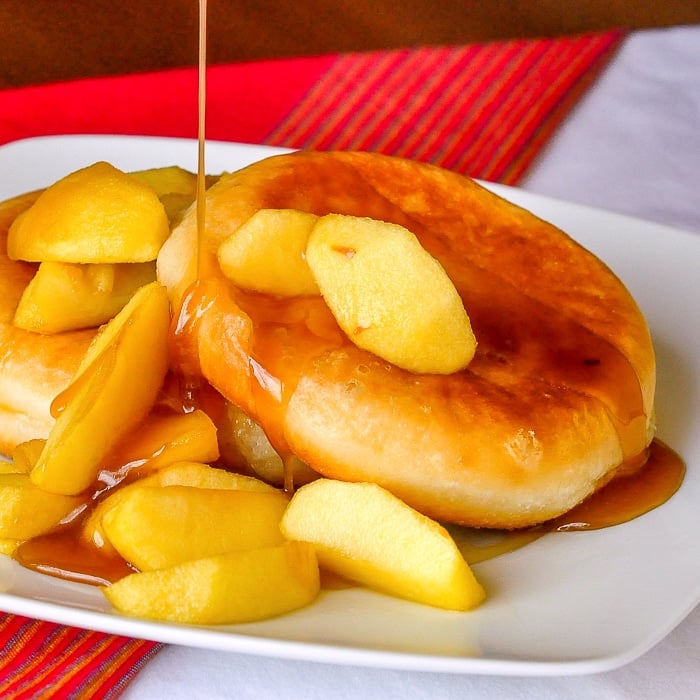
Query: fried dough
{"x": 559, "y": 395}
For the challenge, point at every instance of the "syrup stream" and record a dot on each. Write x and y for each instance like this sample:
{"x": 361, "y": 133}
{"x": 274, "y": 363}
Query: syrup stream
{"x": 201, "y": 129}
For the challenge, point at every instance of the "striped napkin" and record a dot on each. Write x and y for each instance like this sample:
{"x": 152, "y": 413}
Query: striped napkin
{"x": 46, "y": 660}
{"x": 485, "y": 110}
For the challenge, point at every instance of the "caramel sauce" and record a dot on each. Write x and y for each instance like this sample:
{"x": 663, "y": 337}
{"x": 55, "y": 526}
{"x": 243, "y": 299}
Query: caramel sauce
{"x": 281, "y": 337}
{"x": 627, "y": 496}
{"x": 624, "y": 498}
{"x": 201, "y": 200}
{"x": 287, "y": 334}
{"x": 65, "y": 555}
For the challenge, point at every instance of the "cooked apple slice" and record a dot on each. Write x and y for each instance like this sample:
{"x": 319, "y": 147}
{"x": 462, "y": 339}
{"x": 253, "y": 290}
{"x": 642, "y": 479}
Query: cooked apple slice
{"x": 24, "y": 457}
{"x": 27, "y": 511}
{"x": 168, "y": 438}
{"x": 389, "y": 295}
{"x": 266, "y": 253}
{"x": 179, "y": 474}
{"x": 95, "y": 215}
{"x": 366, "y": 534}
{"x": 259, "y": 454}
{"x": 228, "y": 589}
{"x": 68, "y": 296}
{"x": 204, "y": 476}
{"x": 115, "y": 388}
{"x": 163, "y": 452}
{"x": 176, "y": 188}
{"x": 170, "y": 179}
{"x": 155, "y": 527}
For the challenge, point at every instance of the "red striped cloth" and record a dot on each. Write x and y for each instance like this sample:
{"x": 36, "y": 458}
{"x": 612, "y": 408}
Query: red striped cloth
{"x": 46, "y": 660}
{"x": 485, "y": 110}
{"x": 482, "y": 110}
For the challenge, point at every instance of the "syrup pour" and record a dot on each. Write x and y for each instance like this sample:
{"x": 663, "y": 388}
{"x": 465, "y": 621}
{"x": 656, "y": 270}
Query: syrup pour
{"x": 188, "y": 376}
{"x": 201, "y": 129}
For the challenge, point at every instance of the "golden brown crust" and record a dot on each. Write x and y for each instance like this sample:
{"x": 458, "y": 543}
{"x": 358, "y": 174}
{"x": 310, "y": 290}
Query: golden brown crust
{"x": 560, "y": 391}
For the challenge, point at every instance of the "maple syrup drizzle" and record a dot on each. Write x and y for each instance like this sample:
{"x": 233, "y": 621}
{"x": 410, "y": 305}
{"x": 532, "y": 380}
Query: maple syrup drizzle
{"x": 627, "y": 496}
{"x": 189, "y": 377}
{"x": 201, "y": 130}
{"x": 63, "y": 554}
{"x": 624, "y": 498}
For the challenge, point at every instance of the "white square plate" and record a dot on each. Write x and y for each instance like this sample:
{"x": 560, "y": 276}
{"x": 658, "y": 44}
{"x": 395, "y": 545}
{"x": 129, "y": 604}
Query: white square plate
{"x": 569, "y": 603}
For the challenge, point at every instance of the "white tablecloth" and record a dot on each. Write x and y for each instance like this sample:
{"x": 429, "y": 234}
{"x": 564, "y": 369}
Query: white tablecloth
{"x": 632, "y": 145}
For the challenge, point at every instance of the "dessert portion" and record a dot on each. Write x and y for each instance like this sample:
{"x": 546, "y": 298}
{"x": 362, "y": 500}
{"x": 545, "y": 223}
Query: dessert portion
{"x": 350, "y": 349}
{"x": 557, "y": 399}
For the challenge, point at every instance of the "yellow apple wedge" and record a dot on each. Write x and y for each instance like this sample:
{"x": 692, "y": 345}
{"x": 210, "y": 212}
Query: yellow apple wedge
{"x": 389, "y": 295}
{"x": 114, "y": 390}
{"x": 170, "y": 179}
{"x": 367, "y": 535}
{"x": 98, "y": 214}
{"x": 176, "y": 188}
{"x": 156, "y": 454}
{"x": 68, "y": 296}
{"x": 168, "y": 438}
{"x": 231, "y": 588}
{"x": 24, "y": 457}
{"x": 154, "y": 527}
{"x": 203, "y": 476}
{"x": 179, "y": 474}
{"x": 266, "y": 253}
{"x": 27, "y": 511}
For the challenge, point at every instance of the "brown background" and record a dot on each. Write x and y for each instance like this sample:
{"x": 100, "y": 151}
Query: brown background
{"x": 47, "y": 40}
